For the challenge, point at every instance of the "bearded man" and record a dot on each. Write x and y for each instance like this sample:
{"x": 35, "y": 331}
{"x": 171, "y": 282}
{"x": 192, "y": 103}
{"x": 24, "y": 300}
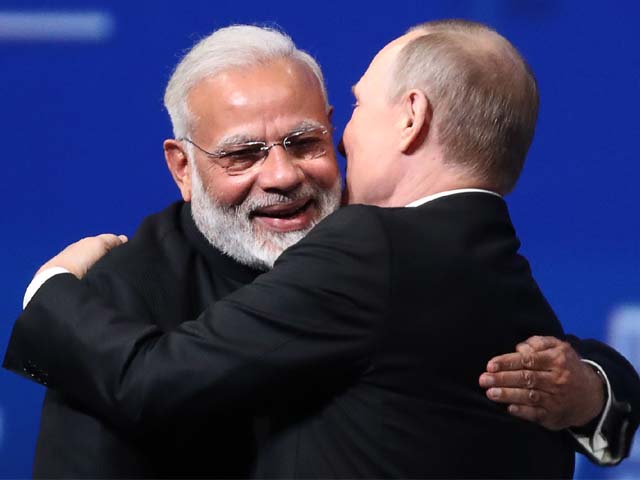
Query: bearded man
{"x": 250, "y": 199}
{"x": 245, "y": 201}
{"x": 230, "y": 226}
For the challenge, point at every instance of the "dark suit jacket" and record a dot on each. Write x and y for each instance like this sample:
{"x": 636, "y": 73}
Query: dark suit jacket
{"x": 166, "y": 273}
{"x": 364, "y": 345}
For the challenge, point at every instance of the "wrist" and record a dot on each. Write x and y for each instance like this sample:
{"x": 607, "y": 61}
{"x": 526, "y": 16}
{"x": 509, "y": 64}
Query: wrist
{"x": 597, "y": 393}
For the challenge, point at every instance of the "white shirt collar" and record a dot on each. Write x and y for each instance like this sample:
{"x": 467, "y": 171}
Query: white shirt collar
{"x": 423, "y": 200}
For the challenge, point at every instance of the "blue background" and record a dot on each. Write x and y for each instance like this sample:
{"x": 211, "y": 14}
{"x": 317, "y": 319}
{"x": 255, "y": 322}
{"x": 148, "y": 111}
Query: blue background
{"x": 82, "y": 125}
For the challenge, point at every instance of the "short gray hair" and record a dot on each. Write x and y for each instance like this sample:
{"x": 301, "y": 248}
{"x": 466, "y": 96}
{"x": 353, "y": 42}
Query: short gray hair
{"x": 483, "y": 95}
{"x": 230, "y": 47}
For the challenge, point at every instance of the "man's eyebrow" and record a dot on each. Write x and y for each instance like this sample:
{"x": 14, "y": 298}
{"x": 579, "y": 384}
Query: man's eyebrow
{"x": 241, "y": 138}
{"x": 306, "y": 125}
{"x": 237, "y": 139}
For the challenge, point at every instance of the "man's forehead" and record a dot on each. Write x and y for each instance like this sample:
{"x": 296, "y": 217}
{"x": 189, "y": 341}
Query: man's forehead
{"x": 278, "y": 71}
{"x": 263, "y": 86}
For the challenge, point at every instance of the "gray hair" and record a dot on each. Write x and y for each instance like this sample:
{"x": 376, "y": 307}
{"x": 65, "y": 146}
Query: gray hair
{"x": 483, "y": 95}
{"x": 230, "y": 47}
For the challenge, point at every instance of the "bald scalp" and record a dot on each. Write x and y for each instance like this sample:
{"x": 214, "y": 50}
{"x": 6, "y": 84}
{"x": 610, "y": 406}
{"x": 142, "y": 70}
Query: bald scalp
{"x": 482, "y": 93}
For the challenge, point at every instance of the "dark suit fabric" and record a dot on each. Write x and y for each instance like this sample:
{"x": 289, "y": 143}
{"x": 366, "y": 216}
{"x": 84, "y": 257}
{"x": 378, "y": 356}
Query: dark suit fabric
{"x": 621, "y": 423}
{"x": 363, "y": 345}
{"x": 165, "y": 273}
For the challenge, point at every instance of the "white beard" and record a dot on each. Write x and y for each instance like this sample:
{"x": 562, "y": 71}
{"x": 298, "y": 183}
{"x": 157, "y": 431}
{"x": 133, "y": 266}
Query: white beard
{"x": 230, "y": 229}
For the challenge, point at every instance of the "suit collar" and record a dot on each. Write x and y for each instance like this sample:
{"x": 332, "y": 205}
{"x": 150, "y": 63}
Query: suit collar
{"x": 429, "y": 198}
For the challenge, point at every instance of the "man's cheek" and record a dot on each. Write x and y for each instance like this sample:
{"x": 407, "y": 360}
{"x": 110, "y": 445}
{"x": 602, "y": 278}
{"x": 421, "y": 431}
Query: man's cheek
{"x": 230, "y": 192}
{"x": 324, "y": 174}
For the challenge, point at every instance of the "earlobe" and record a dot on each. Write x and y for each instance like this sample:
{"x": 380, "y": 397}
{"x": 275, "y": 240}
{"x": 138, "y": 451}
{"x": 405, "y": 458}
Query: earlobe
{"x": 178, "y": 164}
{"x": 417, "y": 120}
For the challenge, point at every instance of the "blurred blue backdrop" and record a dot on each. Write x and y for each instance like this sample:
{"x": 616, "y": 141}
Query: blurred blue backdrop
{"x": 82, "y": 126}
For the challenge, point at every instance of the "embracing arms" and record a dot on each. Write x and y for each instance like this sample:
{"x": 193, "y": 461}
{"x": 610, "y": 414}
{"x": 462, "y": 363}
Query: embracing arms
{"x": 544, "y": 380}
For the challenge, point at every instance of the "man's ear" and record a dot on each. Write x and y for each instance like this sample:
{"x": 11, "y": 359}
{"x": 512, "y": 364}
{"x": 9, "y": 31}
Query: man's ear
{"x": 416, "y": 114}
{"x": 178, "y": 164}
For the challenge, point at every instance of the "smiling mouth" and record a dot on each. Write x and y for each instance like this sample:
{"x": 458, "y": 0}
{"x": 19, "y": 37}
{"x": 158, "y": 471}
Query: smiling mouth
{"x": 284, "y": 211}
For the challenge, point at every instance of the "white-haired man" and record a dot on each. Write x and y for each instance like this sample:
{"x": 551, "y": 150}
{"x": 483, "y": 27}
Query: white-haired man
{"x": 269, "y": 198}
{"x": 243, "y": 204}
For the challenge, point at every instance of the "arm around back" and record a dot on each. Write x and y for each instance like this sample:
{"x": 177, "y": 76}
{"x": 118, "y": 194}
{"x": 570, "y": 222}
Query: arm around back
{"x": 309, "y": 324}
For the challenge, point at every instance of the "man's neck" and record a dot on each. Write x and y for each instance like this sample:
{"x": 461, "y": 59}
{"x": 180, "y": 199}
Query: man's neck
{"x": 417, "y": 188}
{"x": 423, "y": 173}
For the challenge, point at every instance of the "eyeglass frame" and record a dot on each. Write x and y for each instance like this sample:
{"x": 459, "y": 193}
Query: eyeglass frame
{"x": 265, "y": 147}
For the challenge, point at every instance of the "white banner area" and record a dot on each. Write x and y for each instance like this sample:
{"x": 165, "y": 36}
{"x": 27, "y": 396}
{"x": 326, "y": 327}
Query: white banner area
{"x": 55, "y": 26}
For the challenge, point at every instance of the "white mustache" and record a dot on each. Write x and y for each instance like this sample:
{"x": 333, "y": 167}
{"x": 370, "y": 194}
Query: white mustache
{"x": 306, "y": 192}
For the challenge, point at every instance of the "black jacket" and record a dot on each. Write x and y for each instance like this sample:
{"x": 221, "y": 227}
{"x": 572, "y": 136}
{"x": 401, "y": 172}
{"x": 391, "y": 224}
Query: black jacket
{"x": 363, "y": 346}
{"x": 166, "y": 273}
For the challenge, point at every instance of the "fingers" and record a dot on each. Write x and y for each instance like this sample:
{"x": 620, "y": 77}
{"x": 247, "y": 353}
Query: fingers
{"x": 518, "y": 396}
{"x": 519, "y": 379}
{"x": 78, "y": 257}
{"x": 544, "y": 381}
{"x": 110, "y": 241}
{"x": 526, "y": 358}
{"x": 513, "y": 361}
{"x": 537, "y": 343}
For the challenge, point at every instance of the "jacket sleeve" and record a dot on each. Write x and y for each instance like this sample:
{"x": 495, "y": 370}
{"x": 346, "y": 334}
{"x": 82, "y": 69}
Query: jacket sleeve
{"x": 614, "y": 431}
{"x": 309, "y": 325}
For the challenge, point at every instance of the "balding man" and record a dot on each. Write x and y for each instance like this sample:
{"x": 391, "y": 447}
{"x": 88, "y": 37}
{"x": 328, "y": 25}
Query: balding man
{"x": 335, "y": 343}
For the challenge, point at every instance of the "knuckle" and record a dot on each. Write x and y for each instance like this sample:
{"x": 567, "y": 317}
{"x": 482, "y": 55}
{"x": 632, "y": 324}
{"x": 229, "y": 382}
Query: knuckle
{"x": 529, "y": 379}
{"x": 534, "y": 397}
{"x": 536, "y": 341}
{"x": 550, "y": 341}
{"x": 528, "y": 360}
{"x": 561, "y": 359}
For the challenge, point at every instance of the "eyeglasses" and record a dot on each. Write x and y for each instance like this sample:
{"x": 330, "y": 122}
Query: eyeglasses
{"x": 304, "y": 144}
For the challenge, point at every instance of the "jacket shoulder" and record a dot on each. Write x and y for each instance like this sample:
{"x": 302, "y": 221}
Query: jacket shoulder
{"x": 352, "y": 221}
{"x": 158, "y": 236}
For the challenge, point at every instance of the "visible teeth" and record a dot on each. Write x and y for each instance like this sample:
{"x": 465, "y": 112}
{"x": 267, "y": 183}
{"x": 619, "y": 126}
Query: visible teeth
{"x": 283, "y": 214}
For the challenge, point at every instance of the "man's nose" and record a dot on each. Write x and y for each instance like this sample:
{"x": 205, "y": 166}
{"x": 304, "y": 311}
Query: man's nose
{"x": 279, "y": 171}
